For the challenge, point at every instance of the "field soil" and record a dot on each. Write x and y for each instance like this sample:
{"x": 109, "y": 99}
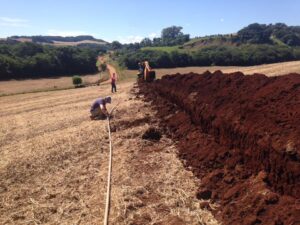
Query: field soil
{"x": 240, "y": 135}
{"x": 43, "y": 84}
{"x": 274, "y": 69}
{"x": 200, "y": 150}
{"x": 53, "y": 164}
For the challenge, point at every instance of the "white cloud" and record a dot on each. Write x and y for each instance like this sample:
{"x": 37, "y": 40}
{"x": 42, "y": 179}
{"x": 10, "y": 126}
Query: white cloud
{"x": 153, "y": 35}
{"x": 130, "y": 39}
{"x": 135, "y": 38}
{"x": 65, "y": 33}
{"x": 13, "y": 22}
{"x": 222, "y": 20}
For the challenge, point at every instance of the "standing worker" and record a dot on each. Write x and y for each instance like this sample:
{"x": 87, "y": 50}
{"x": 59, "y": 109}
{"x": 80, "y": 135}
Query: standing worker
{"x": 147, "y": 71}
{"x": 113, "y": 83}
{"x": 98, "y": 108}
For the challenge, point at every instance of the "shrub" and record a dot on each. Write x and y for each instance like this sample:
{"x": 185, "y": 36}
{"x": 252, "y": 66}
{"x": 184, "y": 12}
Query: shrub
{"x": 77, "y": 81}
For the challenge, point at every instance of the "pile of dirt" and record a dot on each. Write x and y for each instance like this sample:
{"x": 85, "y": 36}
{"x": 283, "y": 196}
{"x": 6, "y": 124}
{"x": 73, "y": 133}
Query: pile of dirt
{"x": 240, "y": 135}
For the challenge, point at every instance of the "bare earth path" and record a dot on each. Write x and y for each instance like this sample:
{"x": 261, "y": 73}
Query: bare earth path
{"x": 53, "y": 163}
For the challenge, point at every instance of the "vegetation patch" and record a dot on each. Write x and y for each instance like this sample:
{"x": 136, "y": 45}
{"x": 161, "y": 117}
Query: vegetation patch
{"x": 30, "y": 60}
{"x": 255, "y": 44}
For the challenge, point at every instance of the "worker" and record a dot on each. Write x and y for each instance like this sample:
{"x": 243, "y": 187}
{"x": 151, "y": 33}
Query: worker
{"x": 113, "y": 83}
{"x": 98, "y": 108}
{"x": 141, "y": 67}
{"x": 146, "y": 70}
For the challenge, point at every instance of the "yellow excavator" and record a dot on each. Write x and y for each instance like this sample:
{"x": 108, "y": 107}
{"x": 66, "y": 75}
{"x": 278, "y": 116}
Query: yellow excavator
{"x": 146, "y": 73}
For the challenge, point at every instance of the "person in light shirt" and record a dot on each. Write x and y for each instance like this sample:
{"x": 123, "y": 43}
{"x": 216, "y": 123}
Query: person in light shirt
{"x": 98, "y": 108}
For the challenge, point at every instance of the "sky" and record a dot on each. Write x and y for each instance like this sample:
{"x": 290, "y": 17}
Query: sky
{"x": 132, "y": 20}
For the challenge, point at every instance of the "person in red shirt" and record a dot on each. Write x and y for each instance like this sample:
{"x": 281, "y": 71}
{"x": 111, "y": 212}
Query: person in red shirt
{"x": 113, "y": 83}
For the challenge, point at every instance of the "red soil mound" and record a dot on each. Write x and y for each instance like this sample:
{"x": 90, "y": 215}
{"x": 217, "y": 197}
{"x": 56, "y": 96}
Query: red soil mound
{"x": 240, "y": 135}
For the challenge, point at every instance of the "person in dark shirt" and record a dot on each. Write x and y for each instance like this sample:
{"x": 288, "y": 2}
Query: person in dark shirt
{"x": 98, "y": 108}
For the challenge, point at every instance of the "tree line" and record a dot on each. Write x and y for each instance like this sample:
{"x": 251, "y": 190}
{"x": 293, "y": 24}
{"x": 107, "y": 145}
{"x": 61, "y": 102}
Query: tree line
{"x": 264, "y": 34}
{"x": 253, "y": 45}
{"x": 30, "y": 60}
{"x": 170, "y": 36}
{"x": 255, "y": 33}
{"x": 244, "y": 55}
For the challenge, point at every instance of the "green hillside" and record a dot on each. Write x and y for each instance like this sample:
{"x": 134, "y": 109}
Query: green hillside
{"x": 253, "y": 45}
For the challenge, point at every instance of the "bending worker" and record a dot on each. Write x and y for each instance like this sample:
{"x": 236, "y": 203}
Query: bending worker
{"x": 98, "y": 108}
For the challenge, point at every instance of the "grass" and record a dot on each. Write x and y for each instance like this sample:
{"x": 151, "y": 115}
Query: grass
{"x": 164, "y": 49}
{"x": 198, "y": 43}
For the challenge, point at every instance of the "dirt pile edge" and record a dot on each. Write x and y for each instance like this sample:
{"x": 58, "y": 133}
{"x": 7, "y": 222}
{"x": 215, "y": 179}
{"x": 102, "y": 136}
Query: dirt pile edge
{"x": 239, "y": 134}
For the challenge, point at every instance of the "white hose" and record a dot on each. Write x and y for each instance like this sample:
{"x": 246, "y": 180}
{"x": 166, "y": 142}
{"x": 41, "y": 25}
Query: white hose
{"x": 107, "y": 203}
{"x": 108, "y": 190}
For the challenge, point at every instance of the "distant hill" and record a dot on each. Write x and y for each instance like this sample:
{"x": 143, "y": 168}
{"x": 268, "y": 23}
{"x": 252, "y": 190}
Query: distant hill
{"x": 255, "y": 44}
{"x": 59, "y": 41}
{"x": 272, "y": 34}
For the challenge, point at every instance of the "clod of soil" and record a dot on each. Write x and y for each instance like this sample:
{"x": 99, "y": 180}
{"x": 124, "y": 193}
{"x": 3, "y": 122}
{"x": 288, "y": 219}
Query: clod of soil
{"x": 152, "y": 134}
{"x": 204, "y": 194}
{"x": 113, "y": 128}
{"x": 240, "y": 135}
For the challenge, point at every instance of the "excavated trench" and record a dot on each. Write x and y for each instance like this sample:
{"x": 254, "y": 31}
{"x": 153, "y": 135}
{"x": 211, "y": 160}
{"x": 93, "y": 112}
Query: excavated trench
{"x": 240, "y": 135}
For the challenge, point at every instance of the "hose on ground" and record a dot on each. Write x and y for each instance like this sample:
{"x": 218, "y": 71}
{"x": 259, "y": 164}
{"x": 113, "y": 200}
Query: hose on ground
{"x": 108, "y": 190}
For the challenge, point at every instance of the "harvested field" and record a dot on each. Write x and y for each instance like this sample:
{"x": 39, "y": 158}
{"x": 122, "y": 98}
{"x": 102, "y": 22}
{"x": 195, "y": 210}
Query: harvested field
{"x": 274, "y": 69}
{"x": 53, "y": 164}
{"x": 240, "y": 136}
{"x": 42, "y": 84}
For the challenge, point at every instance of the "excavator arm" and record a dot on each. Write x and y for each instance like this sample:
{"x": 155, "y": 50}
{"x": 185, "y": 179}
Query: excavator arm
{"x": 149, "y": 74}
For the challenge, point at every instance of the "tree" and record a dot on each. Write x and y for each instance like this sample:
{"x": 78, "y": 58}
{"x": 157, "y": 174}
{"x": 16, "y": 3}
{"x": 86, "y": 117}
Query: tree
{"x": 116, "y": 45}
{"x": 157, "y": 41}
{"x": 291, "y": 39}
{"x": 173, "y": 36}
{"x": 171, "y": 32}
{"x": 146, "y": 42}
{"x": 27, "y": 49}
{"x": 29, "y": 60}
{"x": 255, "y": 33}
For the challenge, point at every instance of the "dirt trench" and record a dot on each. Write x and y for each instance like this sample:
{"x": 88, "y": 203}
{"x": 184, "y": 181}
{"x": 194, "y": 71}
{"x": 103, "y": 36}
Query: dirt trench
{"x": 149, "y": 183}
{"x": 239, "y": 134}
